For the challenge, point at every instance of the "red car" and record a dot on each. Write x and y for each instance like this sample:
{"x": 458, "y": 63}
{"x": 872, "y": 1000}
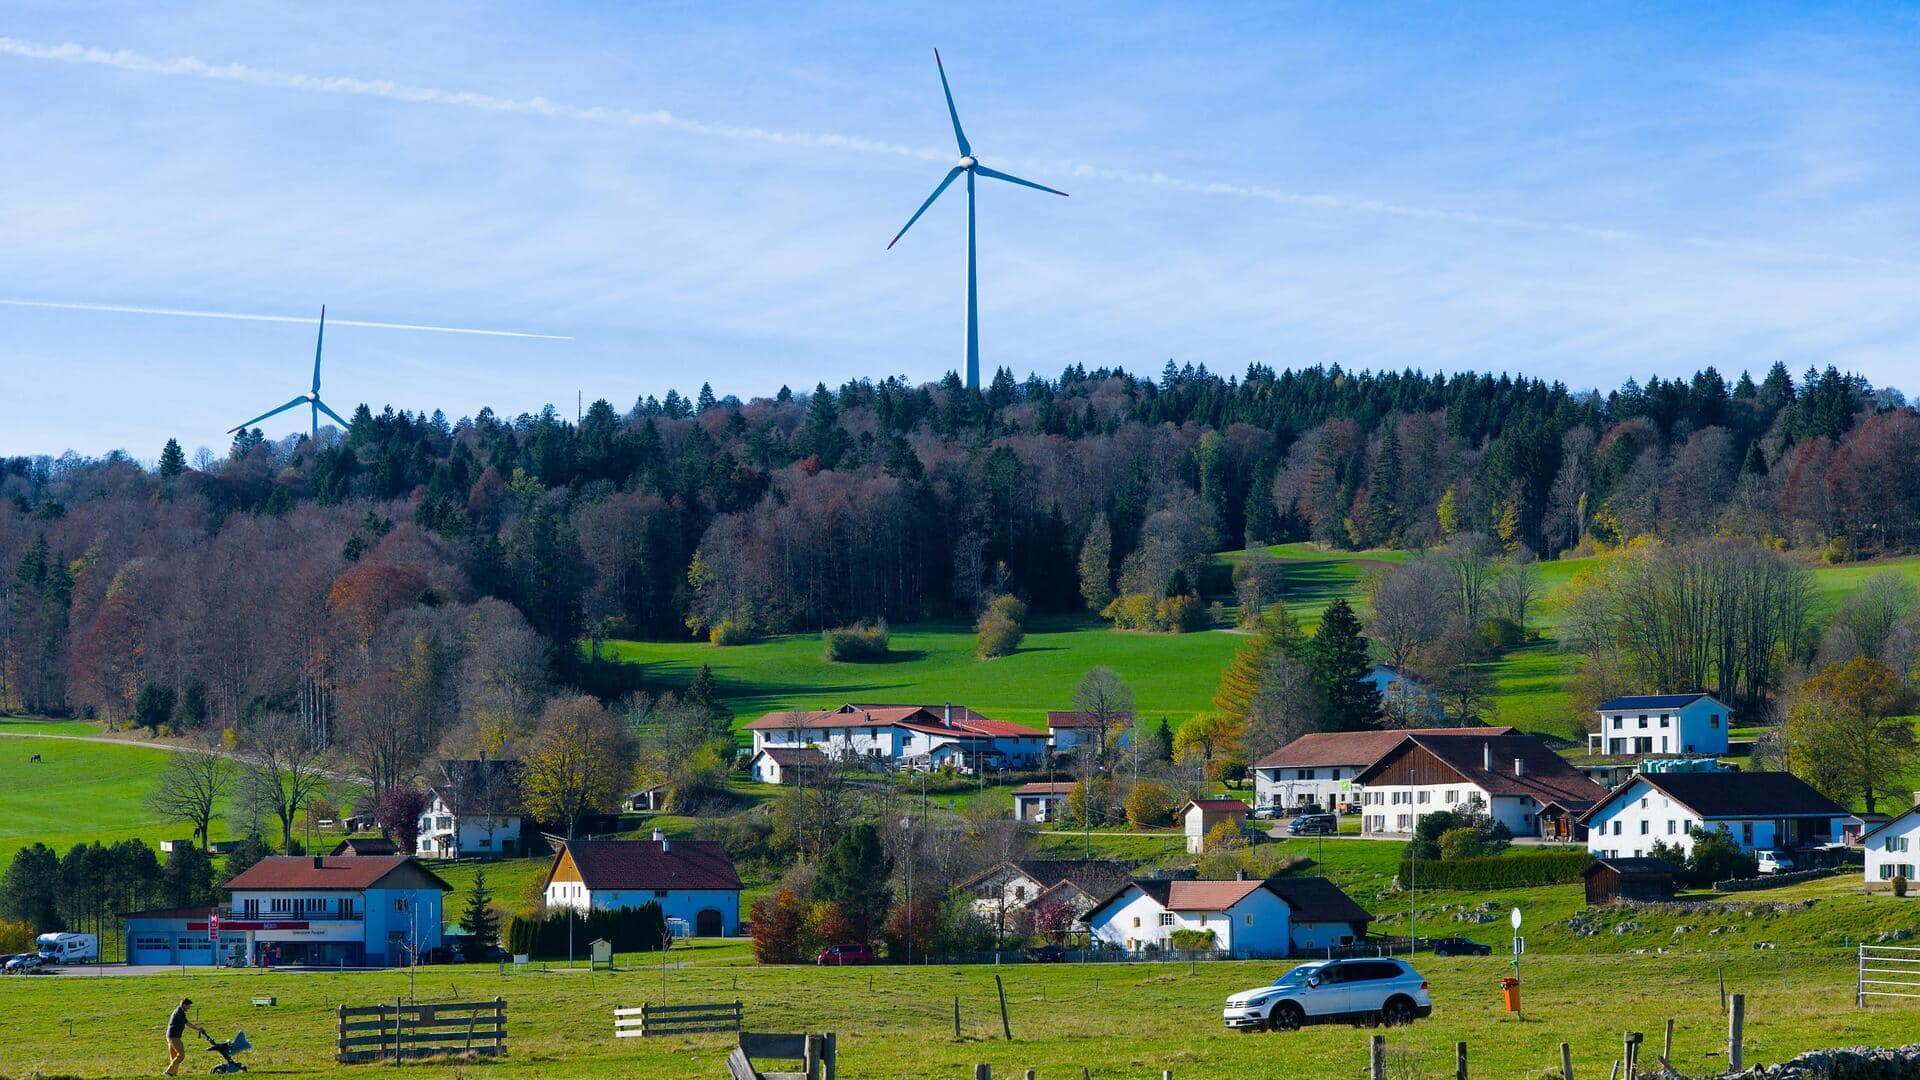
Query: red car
{"x": 844, "y": 956}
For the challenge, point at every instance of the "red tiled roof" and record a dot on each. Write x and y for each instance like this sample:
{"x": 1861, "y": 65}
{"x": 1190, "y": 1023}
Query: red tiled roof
{"x": 325, "y": 872}
{"x": 1080, "y": 720}
{"x": 1216, "y": 806}
{"x": 924, "y": 718}
{"x": 1310, "y": 899}
{"x": 1208, "y": 895}
{"x": 1545, "y": 775}
{"x": 1361, "y": 748}
{"x": 651, "y": 864}
{"x": 1044, "y": 788}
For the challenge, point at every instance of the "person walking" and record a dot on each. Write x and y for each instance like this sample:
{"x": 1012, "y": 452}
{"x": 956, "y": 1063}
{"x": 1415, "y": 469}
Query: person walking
{"x": 177, "y": 1025}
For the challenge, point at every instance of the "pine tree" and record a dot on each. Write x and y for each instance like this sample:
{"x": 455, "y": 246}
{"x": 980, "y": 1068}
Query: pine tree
{"x": 173, "y": 460}
{"x": 704, "y": 691}
{"x": 1159, "y": 745}
{"x": 1096, "y": 565}
{"x": 479, "y": 917}
{"x": 1339, "y": 661}
{"x": 706, "y": 400}
{"x": 1278, "y": 631}
{"x": 854, "y": 874}
{"x": 1383, "y": 488}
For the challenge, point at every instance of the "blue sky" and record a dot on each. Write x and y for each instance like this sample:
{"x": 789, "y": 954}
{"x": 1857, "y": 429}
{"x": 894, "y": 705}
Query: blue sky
{"x": 693, "y": 192}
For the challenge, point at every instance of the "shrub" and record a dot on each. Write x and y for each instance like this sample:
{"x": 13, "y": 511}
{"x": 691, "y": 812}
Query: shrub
{"x": 1095, "y": 796}
{"x": 1717, "y": 857}
{"x": 1002, "y": 626}
{"x": 775, "y": 925}
{"x": 852, "y": 644}
{"x": 635, "y": 929}
{"x": 1133, "y": 611}
{"x": 1464, "y": 842}
{"x": 1502, "y": 633}
{"x": 1512, "y": 871}
{"x": 1900, "y": 885}
{"x": 16, "y": 935}
{"x": 730, "y": 632}
{"x": 1838, "y": 550}
{"x": 1149, "y": 804}
{"x": 1180, "y": 615}
{"x": 1193, "y": 940}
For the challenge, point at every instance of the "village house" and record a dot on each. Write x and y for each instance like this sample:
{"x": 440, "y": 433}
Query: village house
{"x": 1000, "y": 894}
{"x": 789, "y": 765}
{"x": 1892, "y": 850}
{"x": 1317, "y": 769}
{"x": 1248, "y": 919}
{"x": 1042, "y": 801}
{"x": 1661, "y": 724}
{"x": 1404, "y": 698}
{"x": 473, "y": 809}
{"x": 1760, "y": 810}
{"x": 1516, "y": 778}
{"x": 1069, "y": 732}
{"x": 366, "y": 845}
{"x": 352, "y": 910}
{"x": 905, "y": 736}
{"x": 692, "y": 880}
{"x": 1199, "y": 816}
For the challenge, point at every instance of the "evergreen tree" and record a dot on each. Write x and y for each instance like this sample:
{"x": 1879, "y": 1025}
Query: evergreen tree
{"x": 704, "y": 691}
{"x": 479, "y": 917}
{"x": 1278, "y": 631}
{"x": 244, "y": 854}
{"x": 706, "y": 399}
{"x": 1383, "y": 487}
{"x": 1096, "y": 565}
{"x": 173, "y": 460}
{"x": 1338, "y": 658}
{"x": 31, "y": 888}
{"x": 854, "y": 875}
{"x": 820, "y": 434}
{"x": 187, "y": 879}
{"x": 1159, "y": 745}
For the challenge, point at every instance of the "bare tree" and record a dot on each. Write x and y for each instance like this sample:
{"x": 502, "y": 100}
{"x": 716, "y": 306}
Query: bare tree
{"x": 1287, "y": 706}
{"x": 1408, "y": 608}
{"x": 1469, "y": 560}
{"x": 284, "y": 770}
{"x": 1518, "y": 587}
{"x": 1105, "y": 698}
{"x": 191, "y": 788}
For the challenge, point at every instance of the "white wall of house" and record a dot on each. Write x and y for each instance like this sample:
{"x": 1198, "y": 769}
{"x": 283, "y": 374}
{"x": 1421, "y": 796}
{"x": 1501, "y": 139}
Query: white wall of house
{"x": 1296, "y": 785}
{"x": 674, "y": 903}
{"x": 1038, "y": 807}
{"x": 855, "y": 741}
{"x": 1259, "y": 925}
{"x": 444, "y": 834}
{"x": 1398, "y": 808}
{"x": 1894, "y": 851}
{"x": 1699, "y": 727}
{"x": 1631, "y": 824}
{"x": 1198, "y": 822}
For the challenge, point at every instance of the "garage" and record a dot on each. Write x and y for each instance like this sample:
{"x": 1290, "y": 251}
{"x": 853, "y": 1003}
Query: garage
{"x": 150, "y": 949}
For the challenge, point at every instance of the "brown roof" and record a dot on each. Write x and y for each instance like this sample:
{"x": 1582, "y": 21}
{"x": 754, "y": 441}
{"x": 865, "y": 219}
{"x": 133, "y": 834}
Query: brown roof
{"x": 929, "y": 718}
{"x": 366, "y": 845}
{"x": 1544, "y": 775}
{"x": 1207, "y": 895}
{"x": 1061, "y": 787}
{"x": 1732, "y": 795}
{"x": 1315, "y": 899}
{"x": 325, "y": 872}
{"x": 1354, "y": 747}
{"x": 1308, "y": 899}
{"x": 1215, "y": 806}
{"x": 788, "y": 756}
{"x": 1081, "y": 720}
{"x": 1095, "y": 877}
{"x": 650, "y": 864}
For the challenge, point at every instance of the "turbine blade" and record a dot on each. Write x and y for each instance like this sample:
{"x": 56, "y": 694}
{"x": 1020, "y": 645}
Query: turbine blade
{"x": 998, "y": 175}
{"x": 317, "y": 341}
{"x": 301, "y": 400}
{"x": 951, "y": 174}
{"x": 322, "y": 406}
{"x": 958, "y": 135}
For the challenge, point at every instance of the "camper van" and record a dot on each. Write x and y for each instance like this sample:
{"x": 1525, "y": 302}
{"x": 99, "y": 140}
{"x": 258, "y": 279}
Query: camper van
{"x": 68, "y": 948}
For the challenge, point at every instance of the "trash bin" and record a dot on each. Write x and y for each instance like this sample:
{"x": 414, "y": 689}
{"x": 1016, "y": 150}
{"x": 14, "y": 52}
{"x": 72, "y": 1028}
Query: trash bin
{"x": 1510, "y": 991}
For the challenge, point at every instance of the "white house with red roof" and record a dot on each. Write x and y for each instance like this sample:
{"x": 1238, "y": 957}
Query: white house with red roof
{"x": 1199, "y": 816}
{"x": 904, "y": 736}
{"x": 1317, "y": 769}
{"x": 1248, "y": 919}
{"x": 1068, "y": 732}
{"x": 690, "y": 879}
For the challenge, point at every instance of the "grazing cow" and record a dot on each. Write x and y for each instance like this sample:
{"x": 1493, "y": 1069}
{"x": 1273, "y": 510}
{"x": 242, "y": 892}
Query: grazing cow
{"x": 34, "y": 760}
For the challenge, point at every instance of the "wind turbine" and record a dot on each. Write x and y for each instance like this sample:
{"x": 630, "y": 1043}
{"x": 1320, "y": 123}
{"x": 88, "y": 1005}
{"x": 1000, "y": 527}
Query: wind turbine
{"x": 970, "y": 165}
{"x": 312, "y": 398}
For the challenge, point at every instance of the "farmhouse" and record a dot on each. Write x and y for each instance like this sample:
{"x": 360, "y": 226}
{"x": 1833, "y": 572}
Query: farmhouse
{"x": 356, "y": 910}
{"x": 690, "y": 879}
{"x": 473, "y": 808}
{"x": 1522, "y": 783}
{"x": 366, "y": 845}
{"x": 1201, "y": 815}
{"x": 1661, "y": 724}
{"x": 1893, "y": 849}
{"x": 1069, "y": 732}
{"x": 789, "y": 765}
{"x": 1042, "y": 801}
{"x": 1248, "y": 919}
{"x": 1076, "y": 884}
{"x": 905, "y": 736}
{"x": 1317, "y": 769}
{"x": 1761, "y": 810}
{"x": 1644, "y": 880}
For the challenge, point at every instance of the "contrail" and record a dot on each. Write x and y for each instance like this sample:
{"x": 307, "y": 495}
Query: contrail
{"x": 241, "y": 316}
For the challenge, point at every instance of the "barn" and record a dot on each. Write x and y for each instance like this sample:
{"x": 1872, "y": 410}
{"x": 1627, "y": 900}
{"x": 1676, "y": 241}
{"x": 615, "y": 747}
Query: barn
{"x": 1629, "y": 879}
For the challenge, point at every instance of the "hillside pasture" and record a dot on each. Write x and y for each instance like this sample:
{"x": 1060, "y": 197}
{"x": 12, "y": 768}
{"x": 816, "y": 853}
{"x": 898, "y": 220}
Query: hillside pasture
{"x": 79, "y": 791}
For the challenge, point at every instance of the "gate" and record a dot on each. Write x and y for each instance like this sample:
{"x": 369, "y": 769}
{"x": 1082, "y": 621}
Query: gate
{"x": 1888, "y": 971}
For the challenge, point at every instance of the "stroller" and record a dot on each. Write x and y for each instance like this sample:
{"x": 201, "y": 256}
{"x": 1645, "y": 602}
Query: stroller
{"x": 236, "y": 1045}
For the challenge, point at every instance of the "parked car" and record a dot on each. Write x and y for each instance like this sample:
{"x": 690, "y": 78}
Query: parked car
{"x": 1459, "y": 946}
{"x": 473, "y": 953}
{"x": 1773, "y": 862}
{"x": 1314, "y": 825}
{"x": 1268, "y": 813}
{"x": 25, "y": 962}
{"x": 1047, "y": 954}
{"x": 1387, "y": 990}
{"x": 844, "y": 956}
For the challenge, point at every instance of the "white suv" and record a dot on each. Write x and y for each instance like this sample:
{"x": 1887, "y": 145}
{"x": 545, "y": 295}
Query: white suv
{"x": 1376, "y": 989}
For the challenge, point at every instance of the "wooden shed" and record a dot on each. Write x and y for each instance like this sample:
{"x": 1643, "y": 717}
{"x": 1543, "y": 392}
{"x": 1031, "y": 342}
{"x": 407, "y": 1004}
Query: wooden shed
{"x": 1629, "y": 879}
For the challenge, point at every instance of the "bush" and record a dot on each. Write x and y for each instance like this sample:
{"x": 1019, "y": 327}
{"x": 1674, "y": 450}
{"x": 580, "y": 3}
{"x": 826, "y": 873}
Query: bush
{"x": 1900, "y": 885}
{"x": 638, "y": 929}
{"x": 730, "y": 632}
{"x": 776, "y": 924}
{"x": 852, "y": 644}
{"x": 1502, "y": 633}
{"x": 1134, "y": 611}
{"x": 1149, "y": 804}
{"x": 1002, "y": 626}
{"x": 1180, "y": 615}
{"x": 1093, "y": 796}
{"x": 1511, "y": 871}
{"x": 1193, "y": 940}
{"x": 1462, "y": 843}
{"x": 1838, "y": 550}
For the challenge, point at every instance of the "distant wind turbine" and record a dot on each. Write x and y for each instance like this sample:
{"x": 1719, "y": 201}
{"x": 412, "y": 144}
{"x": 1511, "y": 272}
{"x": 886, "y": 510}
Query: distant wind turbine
{"x": 313, "y": 398}
{"x": 970, "y": 165}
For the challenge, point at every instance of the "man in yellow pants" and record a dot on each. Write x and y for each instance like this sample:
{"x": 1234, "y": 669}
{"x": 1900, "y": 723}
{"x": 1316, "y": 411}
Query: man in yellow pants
{"x": 177, "y": 1025}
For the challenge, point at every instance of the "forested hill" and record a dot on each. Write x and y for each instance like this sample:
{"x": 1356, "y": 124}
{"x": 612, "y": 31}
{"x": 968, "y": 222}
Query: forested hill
{"x": 417, "y": 564}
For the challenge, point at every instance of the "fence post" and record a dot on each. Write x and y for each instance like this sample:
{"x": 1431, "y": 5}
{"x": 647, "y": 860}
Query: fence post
{"x": 1005, "y": 1029}
{"x": 1736, "y": 1025}
{"x": 1460, "y": 1061}
{"x": 1377, "y": 1058}
{"x": 1566, "y": 1062}
{"x": 399, "y": 1028}
{"x": 1860, "y": 986}
{"x": 1029, "y": 1074}
{"x": 956, "y": 1016}
{"x": 1666, "y": 1049}
{"x": 983, "y": 1071}
{"x": 340, "y": 1038}
{"x": 499, "y": 1027}
{"x": 832, "y": 1050}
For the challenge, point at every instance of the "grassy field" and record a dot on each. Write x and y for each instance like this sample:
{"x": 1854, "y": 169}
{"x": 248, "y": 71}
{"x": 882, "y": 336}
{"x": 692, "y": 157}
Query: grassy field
{"x": 1117, "y": 1020}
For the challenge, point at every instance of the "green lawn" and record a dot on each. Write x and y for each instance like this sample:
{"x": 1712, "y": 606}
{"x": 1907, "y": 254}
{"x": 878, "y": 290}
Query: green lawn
{"x": 79, "y": 792}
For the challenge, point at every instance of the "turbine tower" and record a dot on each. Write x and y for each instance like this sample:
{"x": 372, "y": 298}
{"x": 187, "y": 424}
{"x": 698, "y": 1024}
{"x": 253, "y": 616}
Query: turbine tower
{"x": 312, "y": 398}
{"x": 970, "y": 165}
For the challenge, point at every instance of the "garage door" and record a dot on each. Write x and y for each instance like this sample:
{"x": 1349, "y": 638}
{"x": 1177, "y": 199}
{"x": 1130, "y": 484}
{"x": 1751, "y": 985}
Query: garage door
{"x": 152, "y": 949}
{"x": 193, "y": 949}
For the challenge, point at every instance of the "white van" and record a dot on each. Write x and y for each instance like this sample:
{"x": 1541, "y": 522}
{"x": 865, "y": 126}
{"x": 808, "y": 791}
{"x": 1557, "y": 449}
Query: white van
{"x": 68, "y": 948}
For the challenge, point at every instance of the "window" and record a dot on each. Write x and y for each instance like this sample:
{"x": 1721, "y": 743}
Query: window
{"x": 1715, "y": 721}
{"x": 1425, "y": 796}
{"x": 1644, "y": 823}
{"x": 1666, "y": 720}
{"x": 1619, "y": 723}
{"x": 1249, "y": 921}
{"x": 1136, "y": 920}
{"x": 1672, "y": 827}
{"x": 1616, "y": 826}
{"x": 1166, "y": 918}
{"x": 659, "y": 894}
{"x": 1643, "y": 802}
{"x": 1643, "y": 719}
{"x": 1453, "y": 796}
{"x": 399, "y": 903}
{"x": 1019, "y": 892}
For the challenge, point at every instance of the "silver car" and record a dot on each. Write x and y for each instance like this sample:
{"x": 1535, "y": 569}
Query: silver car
{"x": 1382, "y": 989}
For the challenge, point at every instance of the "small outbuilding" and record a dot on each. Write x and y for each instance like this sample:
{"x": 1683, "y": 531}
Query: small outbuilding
{"x": 1640, "y": 879}
{"x": 1199, "y": 816}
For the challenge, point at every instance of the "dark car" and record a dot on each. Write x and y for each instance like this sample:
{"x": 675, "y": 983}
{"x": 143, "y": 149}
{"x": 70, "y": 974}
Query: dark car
{"x": 474, "y": 953}
{"x": 844, "y": 956}
{"x": 1314, "y": 825}
{"x": 1459, "y": 946}
{"x": 1047, "y": 954}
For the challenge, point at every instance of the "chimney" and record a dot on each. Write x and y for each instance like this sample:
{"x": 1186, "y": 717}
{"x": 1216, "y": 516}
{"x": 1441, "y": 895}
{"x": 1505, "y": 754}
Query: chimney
{"x": 947, "y": 717}
{"x": 1486, "y": 756}
{"x": 662, "y": 837}
{"x": 1519, "y": 767}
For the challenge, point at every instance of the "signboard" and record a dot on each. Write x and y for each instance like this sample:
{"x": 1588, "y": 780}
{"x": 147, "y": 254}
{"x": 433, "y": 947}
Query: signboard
{"x": 213, "y": 925}
{"x": 1515, "y": 918}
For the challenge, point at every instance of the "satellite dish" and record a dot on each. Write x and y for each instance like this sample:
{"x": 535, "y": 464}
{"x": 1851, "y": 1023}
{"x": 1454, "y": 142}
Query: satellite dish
{"x": 1515, "y": 918}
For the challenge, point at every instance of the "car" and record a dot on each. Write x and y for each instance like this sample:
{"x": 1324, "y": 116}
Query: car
{"x": 1314, "y": 825}
{"x": 1047, "y": 954}
{"x": 1459, "y": 946}
{"x": 484, "y": 954}
{"x": 1773, "y": 862}
{"x": 1383, "y": 989}
{"x": 25, "y": 963}
{"x": 1268, "y": 813}
{"x": 844, "y": 956}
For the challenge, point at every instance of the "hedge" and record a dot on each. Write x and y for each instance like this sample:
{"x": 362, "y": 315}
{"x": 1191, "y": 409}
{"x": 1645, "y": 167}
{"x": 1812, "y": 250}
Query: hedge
{"x": 638, "y": 929}
{"x": 1510, "y": 871}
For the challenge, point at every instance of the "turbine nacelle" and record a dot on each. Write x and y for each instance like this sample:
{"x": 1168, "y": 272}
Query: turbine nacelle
{"x": 967, "y": 162}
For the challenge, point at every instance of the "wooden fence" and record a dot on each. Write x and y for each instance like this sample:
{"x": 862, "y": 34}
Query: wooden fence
{"x": 817, "y": 1056}
{"x": 675, "y": 1019}
{"x": 399, "y": 1031}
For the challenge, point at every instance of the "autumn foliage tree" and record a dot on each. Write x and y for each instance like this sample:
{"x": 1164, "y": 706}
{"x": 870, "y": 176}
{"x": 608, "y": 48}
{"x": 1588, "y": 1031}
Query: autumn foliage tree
{"x": 1845, "y": 734}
